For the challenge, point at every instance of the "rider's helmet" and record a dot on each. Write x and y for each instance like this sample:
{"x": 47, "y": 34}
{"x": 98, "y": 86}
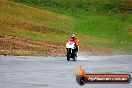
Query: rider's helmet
{"x": 73, "y": 36}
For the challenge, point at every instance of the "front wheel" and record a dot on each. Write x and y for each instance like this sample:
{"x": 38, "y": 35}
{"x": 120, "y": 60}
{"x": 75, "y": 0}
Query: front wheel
{"x": 68, "y": 54}
{"x": 68, "y": 58}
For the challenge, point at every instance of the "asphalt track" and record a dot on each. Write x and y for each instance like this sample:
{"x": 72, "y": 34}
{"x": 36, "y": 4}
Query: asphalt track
{"x": 56, "y": 72}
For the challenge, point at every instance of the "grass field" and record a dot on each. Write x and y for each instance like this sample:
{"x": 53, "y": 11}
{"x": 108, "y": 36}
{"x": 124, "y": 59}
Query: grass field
{"x": 32, "y": 23}
{"x": 100, "y": 26}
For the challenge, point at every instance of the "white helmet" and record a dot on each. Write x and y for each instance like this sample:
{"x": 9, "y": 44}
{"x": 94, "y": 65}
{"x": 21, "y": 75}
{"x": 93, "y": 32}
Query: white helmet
{"x": 73, "y": 36}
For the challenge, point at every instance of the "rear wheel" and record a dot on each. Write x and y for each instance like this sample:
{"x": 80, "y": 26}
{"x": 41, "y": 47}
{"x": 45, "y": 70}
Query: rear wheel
{"x": 74, "y": 55}
{"x": 74, "y": 58}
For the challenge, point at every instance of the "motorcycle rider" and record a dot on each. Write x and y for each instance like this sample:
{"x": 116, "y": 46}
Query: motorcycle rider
{"x": 75, "y": 40}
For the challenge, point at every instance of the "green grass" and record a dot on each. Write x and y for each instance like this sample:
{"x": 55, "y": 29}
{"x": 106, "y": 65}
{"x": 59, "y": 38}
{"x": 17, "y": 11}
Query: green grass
{"x": 97, "y": 23}
{"x": 74, "y": 7}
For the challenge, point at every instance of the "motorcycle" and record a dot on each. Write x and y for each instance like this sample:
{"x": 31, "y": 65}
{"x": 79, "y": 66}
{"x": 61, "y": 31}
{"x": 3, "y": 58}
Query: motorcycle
{"x": 71, "y": 51}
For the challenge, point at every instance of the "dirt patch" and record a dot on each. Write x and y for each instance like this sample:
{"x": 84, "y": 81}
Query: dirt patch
{"x": 12, "y": 45}
{"x": 32, "y": 27}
